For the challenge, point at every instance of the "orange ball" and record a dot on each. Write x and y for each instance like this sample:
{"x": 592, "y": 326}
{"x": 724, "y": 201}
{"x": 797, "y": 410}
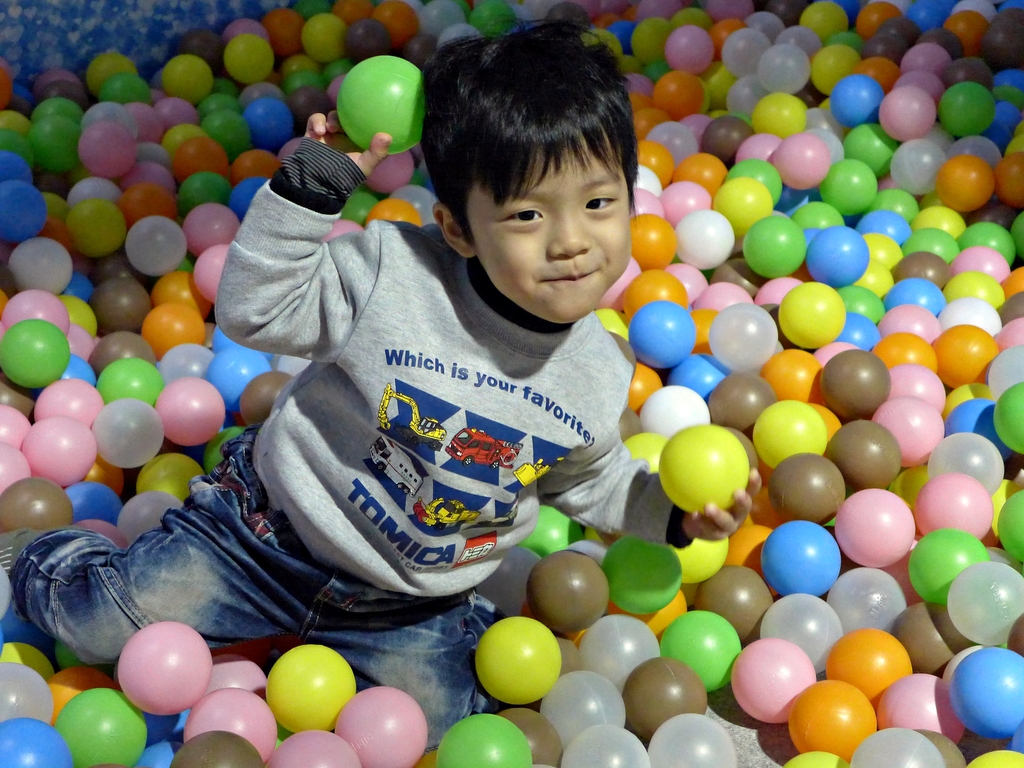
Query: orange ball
{"x": 899, "y": 348}
{"x": 963, "y": 353}
{"x": 1014, "y": 283}
{"x": 393, "y": 209}
{"x": 965, "y": 183}
{"x": 970, "y": 27}
{"x": 646, "y": 118}
{"x": 1010, "y": 180}
{"x": 109, "y": 475}
{"x": 68, "y": 683}
{"x": 872, "y": 16}
{"x": 638, "y": 101}
{"x": 883, "y": 71}
{"x": 720, "y": 31}
{"x": 745, "y": 546}
{"x": 284, "y": 25}
{"x": 55, "y": 229}
{"x": 645, "y": 383}
{"x": 351, "y": 11}
{"x": 680, "y": 94}
{"x": 762, "y": 512}
{"x": 794, "y": 374}
{"x": 702, "y": 168}
{"x": 870, "y": 660}
{"x": 702, "y": 319}
{"x": 171, "y": 324}
{"x": 254, "y": 162}
{"x": 832, "y": 423}
{"x": 831, "y": 716}
{"x": 605, "y": 20}
{"x": 147, "y": 199}
{"x": 179, "y": 287}
{"x": 656, "y": 156}
{"x": 654, "y": 241}
{"x": 200, "y": 153}
{"x": 653, "y": 285}
{"x": 400, "y": 19}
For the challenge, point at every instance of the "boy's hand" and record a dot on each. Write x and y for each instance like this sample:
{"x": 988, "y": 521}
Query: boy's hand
{"x": 327, "y": 130}
{"x": 714, "y": 523}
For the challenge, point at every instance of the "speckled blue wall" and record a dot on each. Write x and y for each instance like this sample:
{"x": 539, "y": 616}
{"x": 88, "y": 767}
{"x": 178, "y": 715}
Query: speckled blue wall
{"x": 36, "y": 35}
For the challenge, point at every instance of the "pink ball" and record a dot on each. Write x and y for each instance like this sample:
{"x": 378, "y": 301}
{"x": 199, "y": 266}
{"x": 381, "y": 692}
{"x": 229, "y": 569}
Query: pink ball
{"x": 647, "y": 202}
{"x": 907, "y": 113}
{"x": 191, "y": 409}
{"x": 887, "y": 182}
{"x": 928, "y": 82}
{"x": 874, "y": 528}
{"x": 802, "y": 160}
{"x": 208, "y": 269}
{"x": 151, "y": 127}
{"x": 830, "y": 350}
{"x": 165, "y": 668}
{"x": 73, "y": 398}
{"x": 760, "y": 146}
{"x": 911, "y": 380}
{"x": 244, "y": 27}
{"x": 900, "y": 570}
{"x": 237, "y": 711}
{"x": 13, "y": 466}
{"x": 697, "y": 124}
{"x": 662, "y": 9}
{"x": 910, "y": 318}
{"x": 592, "y": 7}
{"x": 917, "y": 427}
{"x": 393, "y": 172}
{"x": 174, "y": 111}
{"x": 768, "y": 676}
{"x": 109, "y": 530}
{"x": 148, "y": 171}
{"x": 683, "y": 197}
{"x": 342, "y": 227}
{"x": 612, "y": 6}
{"x": 954, "y": 500}
{"x": 289, "y": 147}
{"x": 14, "y": 425}
{"x": 637, "y": 83}
{"x": 774, "y": 290}
{"x": 718, "y": 296}
{"x": 81, "y": 342}
{"x": 689, "y": 48}
{"x": 314, "y": 749}
{"x": 60, "y": 449}
{"x": 920, "y": 702}
{"x": 929, "y": 57}
{"x": 208, "y": 225}
{"x": 34, "y": 304}
{"x": 385, "y": 726}
{"x": 980, "y": 258}
{"x": 691, "y": 277}
{"x": 612, "y": 298}
{"x": 729, "y": 9}
{"x": 334, "y": 88}
{"x": 1012, "y": 334}
{"x": 51, "y": 76}
{"x": 231, "y": 672}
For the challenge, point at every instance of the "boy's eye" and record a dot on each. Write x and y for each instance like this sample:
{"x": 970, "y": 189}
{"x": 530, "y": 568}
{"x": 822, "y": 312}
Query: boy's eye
{"x": 527, "y": 215}
{"x": 598, "y": 202}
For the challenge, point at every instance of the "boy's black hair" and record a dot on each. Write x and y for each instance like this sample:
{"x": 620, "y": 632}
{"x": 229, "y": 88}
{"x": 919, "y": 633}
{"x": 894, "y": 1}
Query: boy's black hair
{"x": 502, "y": 113}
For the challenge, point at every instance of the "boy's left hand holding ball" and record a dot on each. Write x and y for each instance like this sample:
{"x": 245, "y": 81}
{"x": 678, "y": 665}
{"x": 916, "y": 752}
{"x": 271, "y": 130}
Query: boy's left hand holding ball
{"x": 327, "y": 130}
{"x": 715, "y": 523}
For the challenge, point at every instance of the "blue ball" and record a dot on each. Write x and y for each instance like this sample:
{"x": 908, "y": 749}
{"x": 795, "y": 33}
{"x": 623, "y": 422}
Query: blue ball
{"x": 25, "y": 93}
{"x": 80, "y": 287}
{"x": 243, "y": 194}
{"x": 800, "y": 557}
{"x": 837, "y": 256}
{"x": 25, "y": 741}
{"x": 791, "y": 199}
{"x": 662, "y": 334}
{"x": 232, "y": 369}
{"x": 623, "y": 31}
{"x": 978, "y": 416}
{"x": 810, "y": 234}
{"x": 1007, "y": 114}
{"x": 1014, "y": 77}
{"x": 160, "y": 754}
{"x": 79, "y": 369}
{"x": 701, "y": 373}
{"x": 860, "y": 331}
{"x": 94, "y": 501}
{"x": 14, "y": 167}
{"x": 852, "y": 8}
{"x": 916, "y": 290}
{"x": 883, "y": 222}
{"x": 270, "y": 123}
{"x": 999, "y": 135}
{"x": 987, "y": 692}
{"x": 222, "y": 342}
{"x": 927, "y": 14}
{"x": 159, "y": 727}
{"x": 22, "y": 211}
{"x": 855, "y": 100}
{"x": 17, "y": 631}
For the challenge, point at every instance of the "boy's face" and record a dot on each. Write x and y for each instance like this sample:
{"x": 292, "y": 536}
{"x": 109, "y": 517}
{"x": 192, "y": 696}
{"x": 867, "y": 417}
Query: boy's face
{"x": 555, "y": 251}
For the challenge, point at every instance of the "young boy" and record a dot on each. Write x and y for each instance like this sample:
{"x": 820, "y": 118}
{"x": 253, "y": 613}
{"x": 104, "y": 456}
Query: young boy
{"x": 459, "y": 378}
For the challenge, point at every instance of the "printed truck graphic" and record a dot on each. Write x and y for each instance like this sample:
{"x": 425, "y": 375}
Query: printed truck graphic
{"x": 474, "y": 446}
{"x": 395, "y": 463}
{"x": 421, "y": 430}
{"x": 441, "y": 513}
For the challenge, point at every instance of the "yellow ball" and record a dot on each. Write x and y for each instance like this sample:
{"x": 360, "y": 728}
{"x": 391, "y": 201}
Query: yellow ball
{"x": 883, "y": 249}
{"x": 702, "y": 559}
{"x": 817, "y": 760}
{"x": 323, "y": 37}
{"x": 786, "y": 428}
{"x": 717, "y": 82}
{"x": 648, "y": 39}
{"x": 978, "y": 285}
{"x": 1017, "y": 143}
{"x": 15, "y": 121}
{"x": 178, "y": 134}
{"x": 104, "y": 66}
{"x": 647, "y": 446}
{"x": 743, "y": 201}
{"x": 629, "y": 63}
{"x": 939, "y": 217}
{"x": 249, "y": 58}
{"x": 308, "y": 686}
{"x": 97, "y": 227}
{"x": 30, "y": 656}
{"x": 694, "y": 16}
{"x": 812, "y": 315}
{"x": 1002, "y": 758}
{"x": 80, "y": 312}
{"x": 612, "y": 322}
{"x": 56, "y": 205}
{"x": 781, "y": 114}
{"x": 824, "y": 19}
{"x": 703, "y": 465}
{"x": 909, "y": 483}
{"x": 1005, "y": 490}
{"x": 187, "y": 77}
{"x": 831, "y": 64}
{"x": 598, "y": 35}
{"x": 168, "y": 472}
{"x": 877, "y": 278}
{"x": 518, "y": 660}
{"x": 962, "y": 394}
{"x": 300, "y": 62}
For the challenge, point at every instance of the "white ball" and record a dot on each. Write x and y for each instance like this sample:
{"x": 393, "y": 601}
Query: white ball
{"x": 606, "y": 746}
{"x": 94, "y": 188}
{"x": 648, "y": 180}
{"x": 615, "y": 645}
{"x": 969, "y": 310}
{"x": 705, "y": 239}
{"x": 110, "y": 110}
{"x": 1006, "y": 370}
{"x": 693, "y": 741}
{"x": 41, "y": 263}
{"x": 743, "y": 337}
{"x": 673, "y": 408}
{"x": 144, "y": 512}
{"x": 457, "y": 32}
{"x": 148, "y": 151}
{"x": 155, "y": 245}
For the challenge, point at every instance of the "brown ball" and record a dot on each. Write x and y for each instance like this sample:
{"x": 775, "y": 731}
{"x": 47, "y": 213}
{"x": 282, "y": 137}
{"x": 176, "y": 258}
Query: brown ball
{"x": 569, "y": 11}
{"x": 787, "y": 10}
{"x": 887, "y": 46}
{"x": 545, "y": 743}
{"x": 419, "y": 49}
{"x": 947, "y": 748}
{"x": 748, "y": 446}
{"x": 217, "y": 749}
{"x": 901, "y": 26}
{"x": 305, "y": 101}
{"x": 995, "y": 212}
{"x": 740, "y": 596}
{"x": 738, "y": 272}
{"x": 206, "y": 44}
{"x": 1002, "y": 45}
{"x": 929, "y": 636}
{"x": 259, "y": 394}
{"x": 367, "y": 38}
{"x": 629, "y": 424}
{"x": 120, "y": 304}
{"x": 866, "y": 453}
{"x": 114, "y": 265}
{"x": 571, "y": 659}
{"x": 738, "y": 400}
{"x": 34, "y": 502}
{"x": 723, "y": 137}
{"x": 57, "y": 183}
{"x": 970, "y": 69}
{"x": 64, "y": 89}
{"x": 117, "y": 346}
{"x": 1012, "y": 308}
{"x": 567, "y": 591}
{"x": 659, "y": 689}
{"x": 624, "y": 348}
{"x": 854, "y": 383}
{"x": 806, "y": 486}
{"x": 16, "y": 396}
{"x": 943, "y": 37}
{"x": 926, "y": 264}
{"x": 1015, "y": 642}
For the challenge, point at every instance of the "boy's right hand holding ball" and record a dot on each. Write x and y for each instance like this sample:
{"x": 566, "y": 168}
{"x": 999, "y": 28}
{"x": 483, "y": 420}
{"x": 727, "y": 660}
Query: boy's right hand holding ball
{"x": 327, "y": 130}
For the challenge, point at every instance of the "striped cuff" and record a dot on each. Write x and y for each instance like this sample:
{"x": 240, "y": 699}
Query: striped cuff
{"x": 317, "y": 177}
{"x": 675, "y": 535}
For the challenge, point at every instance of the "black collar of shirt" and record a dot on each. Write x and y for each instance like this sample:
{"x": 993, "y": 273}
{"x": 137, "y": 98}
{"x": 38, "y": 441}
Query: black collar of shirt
{"x": 504, "y": 306}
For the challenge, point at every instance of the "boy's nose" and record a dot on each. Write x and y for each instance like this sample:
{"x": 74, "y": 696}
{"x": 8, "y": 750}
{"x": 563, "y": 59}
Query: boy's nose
{"x": 571, "y": 239}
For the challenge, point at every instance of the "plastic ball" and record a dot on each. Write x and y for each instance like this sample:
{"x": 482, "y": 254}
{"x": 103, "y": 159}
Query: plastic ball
{"x": 897, "y": 746}
{"x": 1008, "y": 416}
{"x": 966, "y": 109}
{"x": 702, "y": 465}
{"x": 320, "y": 748}
{"x": 672, "y": 408}
{"x": 308, "y": 686}
{"x": 395, "y": 89}
{"x": 831, "y": 716}
{"x": 768, "y": 676}
{"x": 577, "y": 701}
{"x": 706, "y": 237}
{"x": 800, "y": 556}
{"x": 705, "y": 642}
{"x": 102, "y": 711}
{"x": 662, "y": 334}
{"x": 984, "y": 692}
{"x": 806, "y": 621}
{"x": 128, "y": 432}
{"x": 787, "y": 428}
{"x": 812, "y": 315}
{"x": 743, "y": 201}
{"x": 743, "y": 337}
{"x": 802, "y": 159}
{"x": 856, "y": 100}
{"x": 695, "y": 739}
{"x": 874, "y": 527}
{"x": 867, "y": 598}
{"x": 917, "y": 427}
{"x": 248, "y": 58}
{"x": 642, "y": 577}
{"x": 939, "y": 557}
{"x": 27, "y": 741}
{"x": 518, "y": 660}
{"x": 34, "y": 353}
{"x": 984, "y": 601}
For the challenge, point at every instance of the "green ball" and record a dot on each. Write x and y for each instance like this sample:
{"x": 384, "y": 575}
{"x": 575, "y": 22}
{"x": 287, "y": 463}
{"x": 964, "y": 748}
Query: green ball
{"x": 217, "y": 102}
{"x": 34, "y": 353}
{"x": 1009, "y": 417}
{"x": 100, "y": 726}
{"x": 1011, "y": 525}
{"x": 774, "y": 246}
{"x": 1017, "y": 232}
{"x": 848, "y": 38}
{"x": 872, "y": 146}
{"x": 817, "y": 215}
{"x": 130, "y": 377}
{"x": 656, "y": 70}
{"x": 642, "y": 577}
{"x": 54, "y": 142}
{"x": 358, "y": 205}
{"x": 211, "y": 453}
{"x": 649, "y": 37}
{"x": 1009, "y": 93}
{"x": 126, "y": 87}
{"x": 203, "y": 187}
{"x": 967, "y": 108}
{"x": 706, "y": 643}
{"x": 226, "y": 86}
{"x": 898, "y": 201}
{"x": 553, "y": 532}
{"x": 933, "y": 240}
{"x": 763, "y": 171}
{"x": 493, "y": 18}
{"x": 484, "y": 741}
{"x": 57, "y": 105}
{"x": 849, "y": 187}
{"x": 301, "y": 79}
{"x": 989, "y": 234}
{"x": 383, "y": 94}
{"x": 309, "y": 8}
{"x": 12, "y": 141}
{"x": 229, "y": 129}
{"x": 335, "y": 68}
{"x": 862, "y": 301}
{"x": 66, "y": 658}
{"x": 939, "y": 557}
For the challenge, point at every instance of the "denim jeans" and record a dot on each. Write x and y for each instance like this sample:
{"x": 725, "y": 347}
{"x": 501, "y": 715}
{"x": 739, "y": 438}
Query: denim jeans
{"x": 233, "y": 569}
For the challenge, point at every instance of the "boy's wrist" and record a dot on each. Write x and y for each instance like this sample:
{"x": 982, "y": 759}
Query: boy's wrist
{"x": 675, "y": 534}
{"x": 317, "y": 177}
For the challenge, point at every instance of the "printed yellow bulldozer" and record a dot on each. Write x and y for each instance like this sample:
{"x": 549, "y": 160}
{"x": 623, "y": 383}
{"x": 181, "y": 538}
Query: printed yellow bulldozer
{"x": 441, "y": 513}
{"x": 421, "y": 430}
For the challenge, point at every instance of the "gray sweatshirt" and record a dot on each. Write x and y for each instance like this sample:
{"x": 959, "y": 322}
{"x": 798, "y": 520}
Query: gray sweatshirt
{"x": 415, "y": 449}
